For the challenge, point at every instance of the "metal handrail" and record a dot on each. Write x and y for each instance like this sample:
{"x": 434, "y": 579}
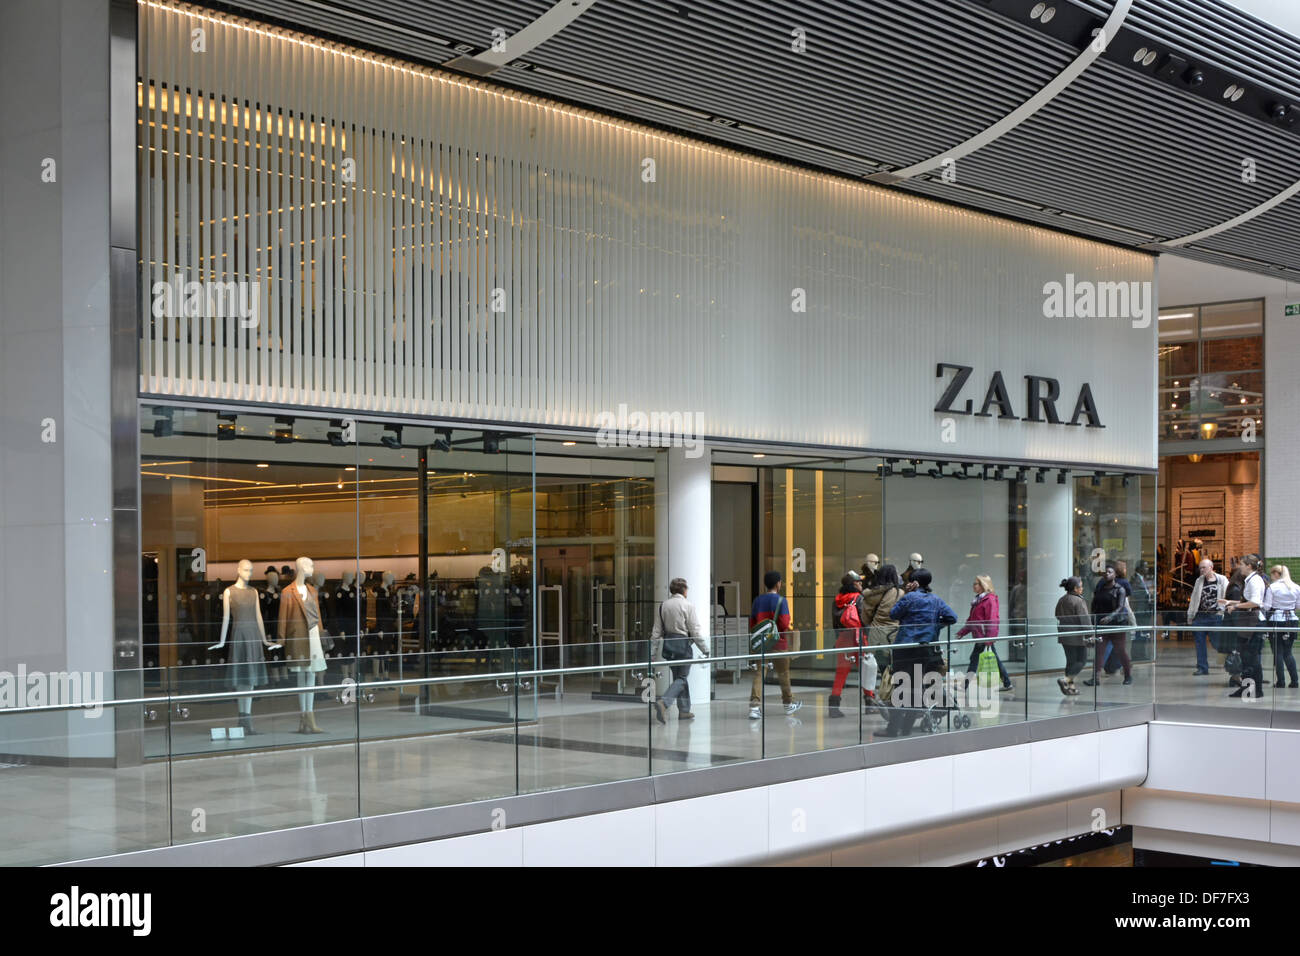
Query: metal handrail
{"x": 544, "y": 672}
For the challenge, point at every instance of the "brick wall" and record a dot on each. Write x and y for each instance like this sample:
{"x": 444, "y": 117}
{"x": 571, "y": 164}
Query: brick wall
{"x": 1241, "y": 520}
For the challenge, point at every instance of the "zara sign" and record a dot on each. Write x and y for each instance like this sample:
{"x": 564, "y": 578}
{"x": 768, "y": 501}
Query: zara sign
{"x": 1041, "y": 396}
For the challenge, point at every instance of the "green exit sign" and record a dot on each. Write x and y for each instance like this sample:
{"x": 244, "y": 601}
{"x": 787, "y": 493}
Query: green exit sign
{"x": 1293, "y": 308}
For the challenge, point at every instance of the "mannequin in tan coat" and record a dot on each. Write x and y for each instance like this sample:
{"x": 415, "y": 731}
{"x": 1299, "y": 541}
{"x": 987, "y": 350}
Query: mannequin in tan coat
{"x": 301, "y": 627}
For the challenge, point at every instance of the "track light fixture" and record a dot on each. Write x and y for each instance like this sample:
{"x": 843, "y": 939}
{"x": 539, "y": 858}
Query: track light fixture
{"x": 1097, "y": 476}
{"x": 392, "y": 437}
{"x": 1040, "y": 476}
{"x": 491, "y": 443}
{"x": 1061, "y": 476}
{"x": 443, "y": 441}
{"x": 226, "y": 426}
{"x": 162, "y": 426}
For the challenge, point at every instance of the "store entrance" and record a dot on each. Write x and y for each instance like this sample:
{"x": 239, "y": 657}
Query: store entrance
{"x": 563, "y": 575}
{"x": 586, "y": 617}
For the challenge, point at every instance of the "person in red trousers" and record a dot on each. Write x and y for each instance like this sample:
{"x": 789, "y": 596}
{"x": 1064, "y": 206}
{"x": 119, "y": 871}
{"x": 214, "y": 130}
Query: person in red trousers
{"x": 847, "y": 619}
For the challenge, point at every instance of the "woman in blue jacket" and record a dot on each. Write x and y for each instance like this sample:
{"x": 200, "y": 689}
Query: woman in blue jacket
{"x": 921, "y": 615}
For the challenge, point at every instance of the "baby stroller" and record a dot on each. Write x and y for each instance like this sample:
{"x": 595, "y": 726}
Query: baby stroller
{"x": 948, "y": 705}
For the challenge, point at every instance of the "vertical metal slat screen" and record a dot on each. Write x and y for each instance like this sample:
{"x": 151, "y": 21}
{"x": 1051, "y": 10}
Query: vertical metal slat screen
{"x": 425, "y": 244}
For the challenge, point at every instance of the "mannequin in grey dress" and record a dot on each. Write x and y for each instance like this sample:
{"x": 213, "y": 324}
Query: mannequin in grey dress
{"x": 241, "y": 606}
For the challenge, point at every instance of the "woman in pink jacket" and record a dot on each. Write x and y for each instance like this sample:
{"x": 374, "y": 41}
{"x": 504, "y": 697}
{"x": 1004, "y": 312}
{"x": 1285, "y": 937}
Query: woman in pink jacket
{"x": 983, "y": 622}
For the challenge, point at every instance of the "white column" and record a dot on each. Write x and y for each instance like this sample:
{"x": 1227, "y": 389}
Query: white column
{"x": 684, "y": 540}
{"x": 1050, "y": 557}
{"x": 1281, "y": 431}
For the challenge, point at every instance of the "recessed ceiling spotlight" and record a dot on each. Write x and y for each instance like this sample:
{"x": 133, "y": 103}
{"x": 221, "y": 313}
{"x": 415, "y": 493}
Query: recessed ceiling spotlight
{"x": 1149, "y": 58}
{"x": 1140, "y": 54}
{"x": 1241, "y": 91}
{"x": 1227, "y": 94}
{"x": 1048, "y": 14}
{"x": 1037, "y": 12}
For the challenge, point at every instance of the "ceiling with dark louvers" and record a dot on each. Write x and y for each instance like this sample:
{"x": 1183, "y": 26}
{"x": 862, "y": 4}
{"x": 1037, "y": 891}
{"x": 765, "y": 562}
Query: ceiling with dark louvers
{"x": 1120, "y": 155}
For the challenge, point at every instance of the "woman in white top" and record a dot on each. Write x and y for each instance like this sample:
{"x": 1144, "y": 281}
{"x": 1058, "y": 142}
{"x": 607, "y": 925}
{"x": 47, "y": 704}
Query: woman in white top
{"x": 1280, "y": 601}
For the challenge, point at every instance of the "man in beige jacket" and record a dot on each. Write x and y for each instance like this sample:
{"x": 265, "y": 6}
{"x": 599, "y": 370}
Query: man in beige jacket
{"x": 676, "y": 628}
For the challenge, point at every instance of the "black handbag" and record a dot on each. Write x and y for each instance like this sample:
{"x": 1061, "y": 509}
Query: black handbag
{"x": 1232, "y": 663}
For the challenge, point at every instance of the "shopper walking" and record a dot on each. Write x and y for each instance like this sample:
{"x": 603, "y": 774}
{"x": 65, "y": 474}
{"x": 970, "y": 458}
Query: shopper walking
{"x": 1253, "y": 592}
{"x": 1233, "y": 639}
{"x": 1280, "y": 602}
{"x": 1205, "y": 610}
{"x": 1110, "y": 610}
{"x": 884, "y": 593}
{"x": 879, "y": 601}
{"x": 675, "y": 629}
{"x": 847, "y": 619}
{"x": 920, "y": 615}
{"x": 1074, "y": 624}
{"x": 982, "y": 622}
{"x": 771, "y": 606}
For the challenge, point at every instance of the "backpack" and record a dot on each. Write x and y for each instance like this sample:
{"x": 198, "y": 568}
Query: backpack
{"x": 849, "y": 615}
{"x": 764, "y": 637}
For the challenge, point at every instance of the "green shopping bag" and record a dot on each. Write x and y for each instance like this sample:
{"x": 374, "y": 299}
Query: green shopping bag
{"x": 986, "y": 673}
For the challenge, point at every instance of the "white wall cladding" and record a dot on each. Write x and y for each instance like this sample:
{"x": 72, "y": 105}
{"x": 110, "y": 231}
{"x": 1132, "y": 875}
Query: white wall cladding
{"x": 676, "y": 294}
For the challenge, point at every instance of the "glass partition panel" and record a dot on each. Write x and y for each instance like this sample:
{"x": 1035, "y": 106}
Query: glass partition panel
{"x": 445, "y": 553}
{"x": 235, "y": 508}
{"x": 83, "y": 783}
{"x": 575, "y": 735}
{"x": 1114, "y": 552}
{"x": 290, "y": 771}
{"x": 462, "y": 745}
